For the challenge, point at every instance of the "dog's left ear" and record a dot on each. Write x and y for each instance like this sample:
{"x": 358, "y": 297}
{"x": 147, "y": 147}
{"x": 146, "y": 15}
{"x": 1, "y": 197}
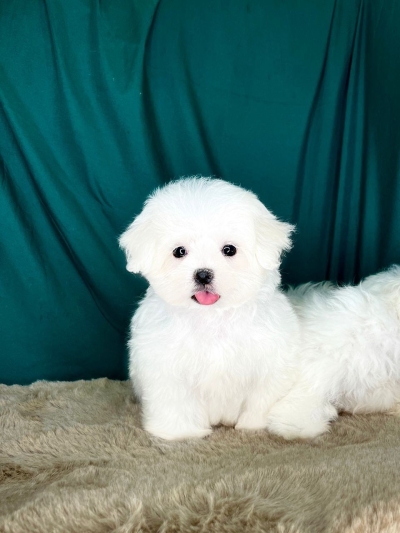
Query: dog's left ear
{"x": 138, "y": 244}
{"x": 272, "y": 238}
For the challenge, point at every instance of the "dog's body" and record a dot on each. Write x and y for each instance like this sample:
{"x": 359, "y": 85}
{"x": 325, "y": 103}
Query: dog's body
{"x": 215, "y": 340}
{"x": 196, "y": 368}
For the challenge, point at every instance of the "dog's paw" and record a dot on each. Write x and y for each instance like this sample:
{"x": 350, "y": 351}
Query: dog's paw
{"x": 301, "y": 424}
{"x": 178, "y": 433}
{"x": 291, "y": 430}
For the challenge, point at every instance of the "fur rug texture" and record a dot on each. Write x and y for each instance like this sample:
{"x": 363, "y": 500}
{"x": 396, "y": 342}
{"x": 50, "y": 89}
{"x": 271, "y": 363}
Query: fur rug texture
{"x": 75, "y": 459}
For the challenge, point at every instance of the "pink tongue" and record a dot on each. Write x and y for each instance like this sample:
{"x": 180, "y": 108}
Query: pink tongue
{"x": 206, "y": 298}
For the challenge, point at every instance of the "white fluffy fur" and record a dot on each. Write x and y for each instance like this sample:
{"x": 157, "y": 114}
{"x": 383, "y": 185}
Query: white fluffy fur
{"x": 257, "y": 358}
{"x": 349, "y": 354}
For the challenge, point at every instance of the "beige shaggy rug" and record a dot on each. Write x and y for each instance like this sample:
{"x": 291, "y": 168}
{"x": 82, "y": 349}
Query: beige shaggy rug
{"x": 75, "y": 459}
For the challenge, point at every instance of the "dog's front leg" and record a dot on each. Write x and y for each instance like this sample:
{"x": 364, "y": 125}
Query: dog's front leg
{"x": 174, "y": 414}
{"x": 254, "y": 413}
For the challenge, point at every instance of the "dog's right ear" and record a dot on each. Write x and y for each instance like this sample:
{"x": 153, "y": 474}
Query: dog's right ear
{"x": 137, "y": 242}
{"x": 273, "y": 238}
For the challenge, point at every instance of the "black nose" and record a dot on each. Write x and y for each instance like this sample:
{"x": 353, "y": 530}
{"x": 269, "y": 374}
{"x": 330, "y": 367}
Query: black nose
{"x": 204, "y": 276}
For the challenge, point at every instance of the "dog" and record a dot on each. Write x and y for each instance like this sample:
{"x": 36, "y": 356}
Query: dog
{"x": 217, "y": 341}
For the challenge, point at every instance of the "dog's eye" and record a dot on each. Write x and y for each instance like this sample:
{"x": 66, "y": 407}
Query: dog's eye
{"x": 179, "y": 252}
{"x": 229, "y": 250}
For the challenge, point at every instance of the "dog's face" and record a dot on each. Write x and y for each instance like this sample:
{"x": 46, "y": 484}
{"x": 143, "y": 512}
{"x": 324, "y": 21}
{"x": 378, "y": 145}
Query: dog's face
{"x": 205, "y": 242}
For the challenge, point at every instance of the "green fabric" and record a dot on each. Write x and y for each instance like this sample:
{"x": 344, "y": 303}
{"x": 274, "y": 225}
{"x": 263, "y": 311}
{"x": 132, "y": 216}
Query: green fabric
{"x": 101, "y": 101}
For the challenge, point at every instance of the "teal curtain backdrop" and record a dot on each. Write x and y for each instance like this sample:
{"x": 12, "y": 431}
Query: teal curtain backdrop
{"x": 103, "y": 100}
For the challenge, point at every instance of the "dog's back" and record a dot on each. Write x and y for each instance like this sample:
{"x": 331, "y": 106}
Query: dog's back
{"x": 384, "y": 286}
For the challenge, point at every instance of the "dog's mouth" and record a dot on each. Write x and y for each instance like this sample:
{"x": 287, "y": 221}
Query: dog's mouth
{"x": 205, "y": 297}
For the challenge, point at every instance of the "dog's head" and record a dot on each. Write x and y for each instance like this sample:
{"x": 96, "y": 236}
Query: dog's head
{"x": 205, "y": 241}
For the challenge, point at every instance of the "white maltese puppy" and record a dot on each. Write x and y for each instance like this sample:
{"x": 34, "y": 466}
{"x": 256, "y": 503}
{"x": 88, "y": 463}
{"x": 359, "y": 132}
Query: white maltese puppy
{"x": 215, "y": 340}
